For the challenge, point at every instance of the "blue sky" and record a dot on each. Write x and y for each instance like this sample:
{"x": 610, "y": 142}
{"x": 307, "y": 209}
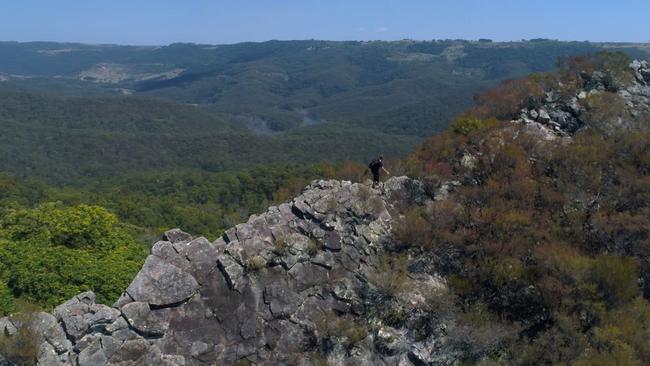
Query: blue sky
{"x": 228, "y": 21}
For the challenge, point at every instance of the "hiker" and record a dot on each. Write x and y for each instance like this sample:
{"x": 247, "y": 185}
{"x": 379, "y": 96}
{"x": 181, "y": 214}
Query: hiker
{"x": 374, "y": 167}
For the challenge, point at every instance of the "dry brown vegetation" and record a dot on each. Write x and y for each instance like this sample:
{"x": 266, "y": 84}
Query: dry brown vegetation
{"x": 548, "y": 241}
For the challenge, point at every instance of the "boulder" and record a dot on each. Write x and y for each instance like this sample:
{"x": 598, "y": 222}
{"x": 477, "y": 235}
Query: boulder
{"x": 176, "y": 236}
{"x": 144, "y": 320}
{"x": 160, "y": 283}
{"x": 46, "y": 325}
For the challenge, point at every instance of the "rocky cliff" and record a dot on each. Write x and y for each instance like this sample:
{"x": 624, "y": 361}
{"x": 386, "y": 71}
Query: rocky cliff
{"x": 307, "y": 282}
{"x": 562, "y": 114}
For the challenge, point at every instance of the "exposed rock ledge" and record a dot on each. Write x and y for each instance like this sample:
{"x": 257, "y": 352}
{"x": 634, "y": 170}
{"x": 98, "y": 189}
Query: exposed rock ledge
{"x": 560, "y": 116}
{"x": 300, "y": 283}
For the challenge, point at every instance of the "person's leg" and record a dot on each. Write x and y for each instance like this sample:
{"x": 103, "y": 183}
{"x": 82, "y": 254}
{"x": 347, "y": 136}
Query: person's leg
{"x": 375, "y": 179}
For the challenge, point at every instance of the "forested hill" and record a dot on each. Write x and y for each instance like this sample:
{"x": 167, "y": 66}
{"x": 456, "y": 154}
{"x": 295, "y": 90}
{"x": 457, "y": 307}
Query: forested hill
{"x": 523, "y": 241}
{"x": 404, "y": 87}
{"x": 82, "y": 139}
{"x": 72, "y": 111}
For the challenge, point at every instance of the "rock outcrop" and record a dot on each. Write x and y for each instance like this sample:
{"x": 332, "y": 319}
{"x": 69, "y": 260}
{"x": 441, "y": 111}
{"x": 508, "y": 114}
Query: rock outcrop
{"x": 305, "y": 282}
{"x": 561, "y": 115}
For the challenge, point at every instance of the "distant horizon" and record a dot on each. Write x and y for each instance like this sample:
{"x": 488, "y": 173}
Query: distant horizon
{"x": 477, "y": 40}
{"x": 221, "y": 22}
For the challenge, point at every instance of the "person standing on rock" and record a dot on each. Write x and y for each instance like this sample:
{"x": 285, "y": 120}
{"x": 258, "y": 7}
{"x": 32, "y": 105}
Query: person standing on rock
{"x": 374, "y": 167}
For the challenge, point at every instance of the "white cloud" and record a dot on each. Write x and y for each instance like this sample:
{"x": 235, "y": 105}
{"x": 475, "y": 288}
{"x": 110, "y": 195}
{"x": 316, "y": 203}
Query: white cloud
{"x": 381, "y": 29}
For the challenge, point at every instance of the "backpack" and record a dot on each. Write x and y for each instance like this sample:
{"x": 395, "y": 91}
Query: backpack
{"x": 375, "y": 165}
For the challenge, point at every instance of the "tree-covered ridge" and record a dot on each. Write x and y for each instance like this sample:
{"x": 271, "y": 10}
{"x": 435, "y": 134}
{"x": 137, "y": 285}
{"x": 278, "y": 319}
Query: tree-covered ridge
{"x": 402, "y": 87}
{"x": 546, "y": 242}
{"x": 71, "y": 112}
{"x": 73, "y": 140}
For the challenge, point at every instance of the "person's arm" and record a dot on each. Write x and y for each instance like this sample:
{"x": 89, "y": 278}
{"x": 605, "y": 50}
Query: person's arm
{"x": 384, "y": 169}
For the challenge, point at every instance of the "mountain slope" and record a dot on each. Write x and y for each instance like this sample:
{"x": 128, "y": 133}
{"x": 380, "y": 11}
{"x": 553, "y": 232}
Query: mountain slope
{"x": 376, "y": 84}
{"x": 116, "y": 105}
{"x": 525, "y": 241}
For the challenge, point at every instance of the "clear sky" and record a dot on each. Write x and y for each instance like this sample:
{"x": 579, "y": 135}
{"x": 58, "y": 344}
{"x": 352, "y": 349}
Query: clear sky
{"x": 154, "y": 22}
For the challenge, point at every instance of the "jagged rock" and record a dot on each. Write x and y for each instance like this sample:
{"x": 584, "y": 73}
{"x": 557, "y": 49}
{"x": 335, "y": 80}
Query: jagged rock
{"x": 80, "y": 314}
{"x": 93, "y": 353}
{"x": 560, "y": 116}
{"x": 110, "y": 345}
{"x": 544, "y": 116}
{"x": 259, "y": 292}
{"x": 156, "y": 358}
{"x": 101, "y": 316}
{"x": 146, "y": 321}
{"x": 47, "y": 355}
{"x": 282, "y": 300}
{"x": 7, "y": 327}
{"x": 444, "y": 190}
{"x": 388, "y": 340}
{"x": 202, "y": 257}
{"x": 176, "y": 236}
{"x": 160, "y": 283}
{"x": 133, "y": 351}
{"x": 405, "y": 191}
{"x": 124, "y": 299}
{"x": 166, "y": 251}
{"x": 46, "y": 325}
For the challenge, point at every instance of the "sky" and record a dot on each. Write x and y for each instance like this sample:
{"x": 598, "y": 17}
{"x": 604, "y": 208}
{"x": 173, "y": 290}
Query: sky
{"x": 158, "y": 22}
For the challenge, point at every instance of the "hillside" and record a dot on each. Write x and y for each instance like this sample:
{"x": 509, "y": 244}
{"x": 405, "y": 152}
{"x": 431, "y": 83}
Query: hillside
{"x": 295, "y": 101}
{"x": 403, "y": 87}
{"x": 523, "y": 241}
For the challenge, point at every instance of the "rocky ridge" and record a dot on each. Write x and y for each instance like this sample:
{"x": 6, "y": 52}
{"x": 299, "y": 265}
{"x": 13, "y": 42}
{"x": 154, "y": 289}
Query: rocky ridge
{"x": 559, "y": 115}
{"x": 306, "y": 282}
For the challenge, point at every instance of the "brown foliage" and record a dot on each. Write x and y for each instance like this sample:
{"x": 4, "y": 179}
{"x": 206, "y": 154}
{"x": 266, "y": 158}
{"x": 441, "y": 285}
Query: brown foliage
{"x": 553, "y": 235}
{"x": 22, "y": 348}
{"x": 603, "y": 111}
{"x": 507, "y": 98}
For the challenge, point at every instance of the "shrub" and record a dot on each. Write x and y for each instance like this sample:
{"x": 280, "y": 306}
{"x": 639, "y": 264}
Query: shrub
{"x": 390, "y": 275}
{"x": 22, "y": 348}
{"x": 7, "y": 304}
{"x": 343, "y": 328}
{"x": 603, "y": 110}
{"x": 411, "y": 230}
{"x": 503, "y": 101}
{"x": 467, "y": 124}
{"x": 616, "y": 67}
{"x": 79, "y": 226}
{"x": 617, "y": 278}
{"x": 630, "y": 324}
{"x": 281, "y": 246}
{"x": 353, "y": 172}
{"x": 255, "y": 264}
{"x": 53, "y": 253}
{"x": 312, "y": 247}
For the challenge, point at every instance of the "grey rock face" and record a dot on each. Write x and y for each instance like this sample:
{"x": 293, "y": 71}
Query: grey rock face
{"x": 176, "y": 236}
{"x": 161, "y": 283}
{"x": 145, "y": 321}
{"x": 563, "y": 116}
{"x": 301, "y": 279}
{"x": 7, "y": 327}
{"x": 46, "y": 325}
